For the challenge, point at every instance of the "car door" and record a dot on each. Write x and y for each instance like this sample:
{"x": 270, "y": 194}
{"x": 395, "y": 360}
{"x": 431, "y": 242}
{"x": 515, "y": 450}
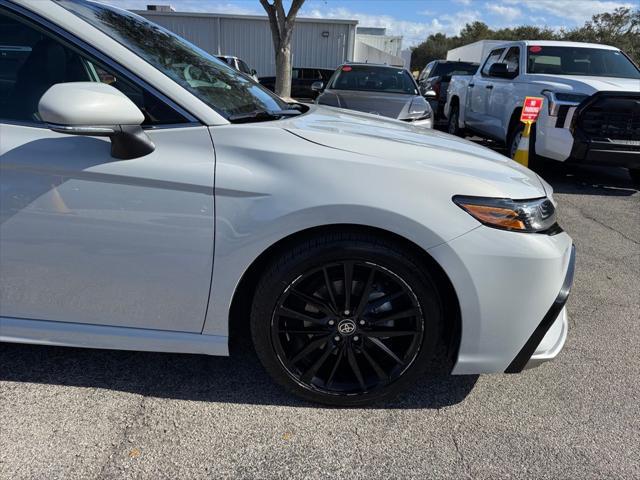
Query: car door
{"x": 87, "y": 238}
{"x": 501, "y": 96}
{"x": 307, "y": 77}
{"x": 479, "y": 94}
{"x": 424, "y": 75}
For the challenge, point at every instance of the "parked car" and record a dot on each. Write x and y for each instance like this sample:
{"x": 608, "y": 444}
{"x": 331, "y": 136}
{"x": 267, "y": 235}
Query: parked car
{"x": 379, "y": 89}
{"x": 591, "y": 109}
{"x": 301, "y": 81}
{"x": 434, "y": 82}
{"x": 163, "y": 210}
{"x": 239, "y": 65}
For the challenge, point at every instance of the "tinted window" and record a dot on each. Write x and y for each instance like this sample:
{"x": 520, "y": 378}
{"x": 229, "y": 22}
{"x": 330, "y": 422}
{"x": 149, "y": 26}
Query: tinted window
{"x": 512, "y": 59}
{"x": 244, "y": 68}
{"x": 425, "y": 71}
{"x": 32, "y": 60}
{"x": 491, "y": 59}
{"x": 580, "y": 61}
{"x": 374, "y": 79}
{"x": 326, "y": 74}
{"x": 215, "y": 83}
{"x": 453, "y": 68}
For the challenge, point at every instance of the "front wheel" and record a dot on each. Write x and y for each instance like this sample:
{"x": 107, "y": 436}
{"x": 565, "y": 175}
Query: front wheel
{"x": 453, "y": 123}
{"x": 535, "y": 163}
{"x": 346, "y": 320}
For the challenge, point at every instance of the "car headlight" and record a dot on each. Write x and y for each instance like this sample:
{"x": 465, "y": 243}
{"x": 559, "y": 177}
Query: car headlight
{"x": 533, "y": 216}
{"x": 557, "y": 99}
{"x": 418, "y": 110}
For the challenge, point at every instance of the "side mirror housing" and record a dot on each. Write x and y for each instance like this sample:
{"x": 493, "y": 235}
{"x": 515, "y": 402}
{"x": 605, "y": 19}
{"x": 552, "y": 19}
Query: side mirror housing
{"x": 501, "y": 70}
{"x": 254, "y": 72}
{"x": 96, "y": 109}
{"x": 317, "y": 86}
{"x": 430, "y": 94}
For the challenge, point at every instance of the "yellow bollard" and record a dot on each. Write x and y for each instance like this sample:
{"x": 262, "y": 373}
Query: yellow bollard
{"x": 522, "y": 153}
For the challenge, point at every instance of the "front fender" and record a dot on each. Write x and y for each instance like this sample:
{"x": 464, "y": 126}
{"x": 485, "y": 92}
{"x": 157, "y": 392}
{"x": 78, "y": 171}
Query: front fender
{"x": 240, "y": 241}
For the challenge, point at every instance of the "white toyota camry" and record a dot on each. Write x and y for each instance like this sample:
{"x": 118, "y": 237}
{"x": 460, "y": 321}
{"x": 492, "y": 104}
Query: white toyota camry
{"x": 153, "y": 198}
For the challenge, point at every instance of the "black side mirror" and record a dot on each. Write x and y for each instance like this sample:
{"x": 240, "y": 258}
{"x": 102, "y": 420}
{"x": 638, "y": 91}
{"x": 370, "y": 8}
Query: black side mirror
{"x": 501, "y": 70}
{"x": 254, "y": 71}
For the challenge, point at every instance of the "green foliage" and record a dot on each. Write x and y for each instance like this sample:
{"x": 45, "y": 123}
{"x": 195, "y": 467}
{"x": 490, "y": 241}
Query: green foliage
{"x": 620, "y": 28}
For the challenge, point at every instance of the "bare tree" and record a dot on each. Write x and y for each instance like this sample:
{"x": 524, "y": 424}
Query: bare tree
{"x": 281, "y": 33}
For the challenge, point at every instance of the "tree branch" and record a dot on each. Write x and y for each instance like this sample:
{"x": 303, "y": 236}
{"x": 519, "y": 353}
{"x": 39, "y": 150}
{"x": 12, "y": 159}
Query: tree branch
{"x": 273, "y": 21}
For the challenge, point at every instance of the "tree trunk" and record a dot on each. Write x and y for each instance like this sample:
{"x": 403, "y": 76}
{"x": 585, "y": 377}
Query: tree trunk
{"x": 283, "y": 72}
{"x": 281, "y": 33}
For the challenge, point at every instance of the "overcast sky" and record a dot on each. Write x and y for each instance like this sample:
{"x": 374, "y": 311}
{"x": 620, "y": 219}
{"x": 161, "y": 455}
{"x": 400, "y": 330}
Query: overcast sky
{"x": 415, "y": 19}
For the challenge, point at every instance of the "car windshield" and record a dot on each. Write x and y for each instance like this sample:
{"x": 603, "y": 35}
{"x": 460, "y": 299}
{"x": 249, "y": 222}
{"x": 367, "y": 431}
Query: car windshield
{"x": 374, "y": 79}
{"x": 213, "y": 81}
{"x": 454, "y": 68}
{"x": 598, "y": 62}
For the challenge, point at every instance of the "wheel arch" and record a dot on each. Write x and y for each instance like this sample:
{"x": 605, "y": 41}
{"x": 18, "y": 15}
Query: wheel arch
{"x": 455, "y": 101}
{"x": 242, "y": 299}
{"x": 513, "y": 121}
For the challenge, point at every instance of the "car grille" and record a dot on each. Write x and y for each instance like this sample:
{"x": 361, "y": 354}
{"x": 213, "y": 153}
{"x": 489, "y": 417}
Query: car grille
{"x": 611, "y": 118}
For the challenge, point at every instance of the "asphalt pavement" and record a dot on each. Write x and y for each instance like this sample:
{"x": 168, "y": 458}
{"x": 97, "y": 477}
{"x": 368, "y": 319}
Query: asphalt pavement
{"x": 74, "y": 413}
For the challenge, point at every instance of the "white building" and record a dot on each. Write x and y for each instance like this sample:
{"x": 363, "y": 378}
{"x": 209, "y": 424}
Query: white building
{"x": 373, "y": 45}
{"x": 322, "y": 43}
{"x": 317, "y": 42}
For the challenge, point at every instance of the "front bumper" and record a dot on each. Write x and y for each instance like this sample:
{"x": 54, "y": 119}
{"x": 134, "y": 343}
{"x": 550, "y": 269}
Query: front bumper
{"x": 426, "y": 123}
{"x": 552, "y": 343}
{"x": 619, "y": 153}
{"x": 505, "y": 283}
{"x": 548, "y": 338}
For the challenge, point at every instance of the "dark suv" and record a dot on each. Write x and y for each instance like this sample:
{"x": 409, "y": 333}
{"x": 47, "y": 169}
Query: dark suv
{"x": 434, "y": 81}
{"x": 301, "y": 81}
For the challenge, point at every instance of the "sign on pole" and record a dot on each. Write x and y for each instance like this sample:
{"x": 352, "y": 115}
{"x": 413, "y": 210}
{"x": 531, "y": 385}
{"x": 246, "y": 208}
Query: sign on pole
{"x": 531, "y": 109}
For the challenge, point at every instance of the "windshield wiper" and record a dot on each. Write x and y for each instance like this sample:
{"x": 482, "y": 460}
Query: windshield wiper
{"x": 262, "y": 115}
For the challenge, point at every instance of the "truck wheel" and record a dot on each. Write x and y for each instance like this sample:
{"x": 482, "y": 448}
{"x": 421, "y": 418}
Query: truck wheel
{"x": 634, "y": 173}
{"x": 453, "y": 125}
{"x": 514, "y": 139}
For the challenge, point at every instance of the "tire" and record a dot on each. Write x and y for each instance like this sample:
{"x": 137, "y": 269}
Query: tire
{"x": 330, "y": 349}
{"x": 535, "y": 163}
{"x": 453, "y": 124}
{"x": 634, "y": 173}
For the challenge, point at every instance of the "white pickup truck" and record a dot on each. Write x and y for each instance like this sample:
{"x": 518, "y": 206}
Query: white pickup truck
{"x": 591, "y": 110}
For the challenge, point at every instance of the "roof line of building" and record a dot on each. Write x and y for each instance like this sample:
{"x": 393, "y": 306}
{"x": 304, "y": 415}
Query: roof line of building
{"x": 243, "y": 17}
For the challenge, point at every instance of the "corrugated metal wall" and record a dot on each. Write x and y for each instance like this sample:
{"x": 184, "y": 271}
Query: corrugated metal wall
{"x": 249, "y": 38}
{"x": 390, "y": 44}
{"x": 368, "y": 54}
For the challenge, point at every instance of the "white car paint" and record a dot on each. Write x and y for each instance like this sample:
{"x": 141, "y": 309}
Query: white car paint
{"x": 135, "y": 254}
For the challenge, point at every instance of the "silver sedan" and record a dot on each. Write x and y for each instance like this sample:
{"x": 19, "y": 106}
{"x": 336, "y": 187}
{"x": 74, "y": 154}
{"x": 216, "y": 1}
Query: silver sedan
{"x": 377, "y": 89}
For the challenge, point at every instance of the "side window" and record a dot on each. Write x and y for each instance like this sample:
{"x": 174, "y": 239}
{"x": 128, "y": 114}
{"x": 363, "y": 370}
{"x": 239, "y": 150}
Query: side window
{"x": 296, "y": 73}
{"x": 244, "y": 68}
{"x": 32, "y": 60}
{"x": 491, "y": 59}
{"x": 512, "y": 59}
{"x": 426, "y": 72}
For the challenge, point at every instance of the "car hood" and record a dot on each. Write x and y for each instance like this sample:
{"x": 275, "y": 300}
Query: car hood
{"x": 392, "y": 105}
{"x": 586, "y": 85}
{"x": 398, "y": 144}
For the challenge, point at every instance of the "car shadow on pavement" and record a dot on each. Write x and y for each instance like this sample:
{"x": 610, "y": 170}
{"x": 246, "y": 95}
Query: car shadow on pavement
{"x": 589, "y": 180}
{"x": 236, "y": 379}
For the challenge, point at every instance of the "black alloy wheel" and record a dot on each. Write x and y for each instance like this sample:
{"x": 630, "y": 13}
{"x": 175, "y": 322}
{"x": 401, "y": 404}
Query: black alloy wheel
{"x": 345, "y": 327}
